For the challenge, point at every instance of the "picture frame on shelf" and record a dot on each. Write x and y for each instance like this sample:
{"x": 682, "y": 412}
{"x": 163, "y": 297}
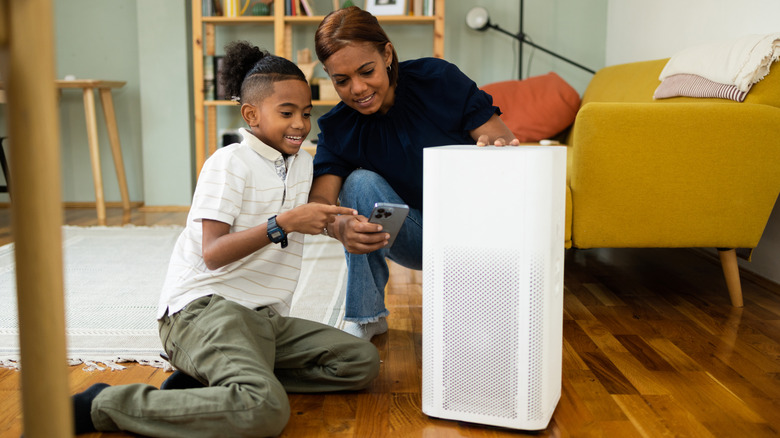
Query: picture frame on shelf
{"x": 386, "y": 7}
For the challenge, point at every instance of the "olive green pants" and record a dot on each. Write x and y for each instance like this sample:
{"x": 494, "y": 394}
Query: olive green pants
{"x": 248, "y": 360}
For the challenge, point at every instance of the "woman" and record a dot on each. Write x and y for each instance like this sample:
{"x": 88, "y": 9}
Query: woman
{"x": 370, "y": 148}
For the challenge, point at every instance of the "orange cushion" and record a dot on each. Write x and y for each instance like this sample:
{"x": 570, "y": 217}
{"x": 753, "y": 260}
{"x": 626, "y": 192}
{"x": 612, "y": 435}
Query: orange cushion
{"x": 535, "y": 108}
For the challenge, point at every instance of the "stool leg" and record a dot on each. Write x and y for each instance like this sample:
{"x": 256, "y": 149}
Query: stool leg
{"x": 94, "y": 153}
{"x": 116, "y": 146}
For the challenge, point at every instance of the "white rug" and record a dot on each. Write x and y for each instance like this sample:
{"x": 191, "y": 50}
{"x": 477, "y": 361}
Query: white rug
{"x": 113, "y": 277}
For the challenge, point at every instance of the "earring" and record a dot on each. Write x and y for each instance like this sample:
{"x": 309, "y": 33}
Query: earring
{"x": 390, "y": 68}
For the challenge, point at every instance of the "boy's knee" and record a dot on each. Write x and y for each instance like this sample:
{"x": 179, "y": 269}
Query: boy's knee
{"x": 367, "y": 361}
{"x": 268, "y": 421}
{"x": 267, "y": 416}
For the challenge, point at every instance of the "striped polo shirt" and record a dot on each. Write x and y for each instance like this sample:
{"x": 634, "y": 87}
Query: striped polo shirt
{"x": 239, "y": 185}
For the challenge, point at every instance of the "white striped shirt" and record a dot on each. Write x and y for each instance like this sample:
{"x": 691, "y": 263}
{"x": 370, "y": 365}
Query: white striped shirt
{"x": 239, "y": 185}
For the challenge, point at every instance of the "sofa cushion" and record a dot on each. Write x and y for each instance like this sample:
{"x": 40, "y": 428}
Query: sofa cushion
{"x": 535, "y": 108}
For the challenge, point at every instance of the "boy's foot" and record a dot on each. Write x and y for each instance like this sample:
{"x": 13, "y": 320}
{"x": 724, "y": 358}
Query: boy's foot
{"x": 366, "y": 331}
{"x": 179, "y": 380}
{"x": 82, "y": 408}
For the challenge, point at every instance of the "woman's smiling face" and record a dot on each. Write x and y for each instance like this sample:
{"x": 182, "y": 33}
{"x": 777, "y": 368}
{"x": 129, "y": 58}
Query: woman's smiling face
{"x": 359, "y": 74}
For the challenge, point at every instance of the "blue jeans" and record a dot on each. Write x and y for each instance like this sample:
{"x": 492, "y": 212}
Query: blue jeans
{"x": 367, "y": 274}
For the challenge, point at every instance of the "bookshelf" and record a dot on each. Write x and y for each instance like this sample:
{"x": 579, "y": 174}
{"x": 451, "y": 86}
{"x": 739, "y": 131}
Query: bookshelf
{"x": 204, "y": 31}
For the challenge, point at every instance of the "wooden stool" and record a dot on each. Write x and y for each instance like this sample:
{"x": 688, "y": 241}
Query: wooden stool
{"x": 104, "y": 87}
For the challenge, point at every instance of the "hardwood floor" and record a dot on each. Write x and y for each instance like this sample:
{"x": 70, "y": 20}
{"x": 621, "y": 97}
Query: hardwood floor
{"x": 652, "y": 347}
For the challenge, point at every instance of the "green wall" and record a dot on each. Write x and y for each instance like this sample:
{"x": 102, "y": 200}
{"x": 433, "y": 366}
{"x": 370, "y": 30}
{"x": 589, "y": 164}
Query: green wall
{"x": 148, "y": 44}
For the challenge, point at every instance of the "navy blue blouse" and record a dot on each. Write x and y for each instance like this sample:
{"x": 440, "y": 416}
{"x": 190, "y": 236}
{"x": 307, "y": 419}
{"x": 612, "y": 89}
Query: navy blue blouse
{"x": 435, "y": 105}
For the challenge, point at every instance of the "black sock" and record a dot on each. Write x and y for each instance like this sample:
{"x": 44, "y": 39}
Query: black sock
{"x": 82, "y": 407}
{"x": 179, "y": 380}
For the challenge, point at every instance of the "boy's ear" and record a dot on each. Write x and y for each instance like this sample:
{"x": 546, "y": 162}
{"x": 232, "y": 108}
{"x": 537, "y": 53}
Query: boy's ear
{"x": 250, "y": 114}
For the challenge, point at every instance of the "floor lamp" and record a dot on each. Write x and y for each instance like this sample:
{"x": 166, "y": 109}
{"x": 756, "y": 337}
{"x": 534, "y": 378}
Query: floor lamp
{"x": 479, "y": 19}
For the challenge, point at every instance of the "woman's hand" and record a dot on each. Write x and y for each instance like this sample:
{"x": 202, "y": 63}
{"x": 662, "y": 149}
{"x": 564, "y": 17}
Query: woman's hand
{"x": 494, "y": 132}
{"x": 358, "y": 235}
{"x": 484, "y": 139}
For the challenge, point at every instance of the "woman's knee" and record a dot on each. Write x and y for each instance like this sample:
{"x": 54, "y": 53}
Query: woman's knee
{"x": 363, "y": 188}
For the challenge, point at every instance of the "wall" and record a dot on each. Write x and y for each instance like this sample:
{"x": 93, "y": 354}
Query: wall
{"x": 640, "y": 30}
{"x": 144, "y": 43}
{"x": 574, "y": 29}
{"x": 166, "y": 102}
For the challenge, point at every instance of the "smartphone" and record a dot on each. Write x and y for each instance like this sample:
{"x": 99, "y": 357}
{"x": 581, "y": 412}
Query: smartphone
{"x": 391, "y": 217}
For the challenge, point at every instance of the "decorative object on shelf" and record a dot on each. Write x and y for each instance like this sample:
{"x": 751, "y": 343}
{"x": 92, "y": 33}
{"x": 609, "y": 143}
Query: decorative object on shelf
{"x": 261, "y": 8}
{"x": 478, "y": 19}
{"x": 326, "y": 89}
{"x": 233, "y": 8}
{"x": 305, "y": 63}
{"x": 386, "y": 7}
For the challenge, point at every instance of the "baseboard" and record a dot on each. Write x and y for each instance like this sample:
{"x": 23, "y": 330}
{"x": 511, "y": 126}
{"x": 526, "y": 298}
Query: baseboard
{"x": 163, "y": 208}
{"x": 92, "y": 205}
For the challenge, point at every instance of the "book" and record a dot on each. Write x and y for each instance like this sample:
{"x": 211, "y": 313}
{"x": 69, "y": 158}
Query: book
{"x": 307, "y": 8}
{"x": 219, "y": 89}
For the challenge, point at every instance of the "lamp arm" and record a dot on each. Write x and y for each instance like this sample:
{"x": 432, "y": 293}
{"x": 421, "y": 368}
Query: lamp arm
{"x": 522, "y": 39}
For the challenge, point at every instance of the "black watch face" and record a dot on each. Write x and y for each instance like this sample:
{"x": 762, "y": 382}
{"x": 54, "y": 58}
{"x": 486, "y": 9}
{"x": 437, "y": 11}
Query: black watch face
{"x": 276, "y": 235}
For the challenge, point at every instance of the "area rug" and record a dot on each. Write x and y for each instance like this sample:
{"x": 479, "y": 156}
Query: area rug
{"x": 113, "y": 277}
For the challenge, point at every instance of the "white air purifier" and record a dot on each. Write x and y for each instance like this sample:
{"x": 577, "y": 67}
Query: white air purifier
{"x": 493, "y": 254}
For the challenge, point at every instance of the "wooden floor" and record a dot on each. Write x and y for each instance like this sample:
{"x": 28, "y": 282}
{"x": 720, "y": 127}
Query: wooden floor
{"x": 652, "y": 348}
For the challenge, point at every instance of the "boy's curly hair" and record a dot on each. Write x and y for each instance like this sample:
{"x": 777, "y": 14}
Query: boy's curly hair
{"x": 249, "y": 72}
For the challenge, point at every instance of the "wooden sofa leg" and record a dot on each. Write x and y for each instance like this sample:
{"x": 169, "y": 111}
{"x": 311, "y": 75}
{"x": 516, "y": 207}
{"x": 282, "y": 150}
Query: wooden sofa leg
{"x": 728, "y": 261}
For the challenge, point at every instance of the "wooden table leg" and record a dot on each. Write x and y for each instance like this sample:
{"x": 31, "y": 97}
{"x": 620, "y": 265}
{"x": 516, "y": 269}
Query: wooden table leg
{"x": 116, "y": 147}
{"x": 94, "y": 153}
{"x": 27, "y": 53}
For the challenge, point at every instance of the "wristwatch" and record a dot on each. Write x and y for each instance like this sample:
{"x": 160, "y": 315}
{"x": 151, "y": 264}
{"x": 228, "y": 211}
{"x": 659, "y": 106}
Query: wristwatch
{"x": 276, "y": 233}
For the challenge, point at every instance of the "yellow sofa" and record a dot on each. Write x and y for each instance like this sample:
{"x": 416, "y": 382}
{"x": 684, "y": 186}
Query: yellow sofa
{"x": 678, "y": 172}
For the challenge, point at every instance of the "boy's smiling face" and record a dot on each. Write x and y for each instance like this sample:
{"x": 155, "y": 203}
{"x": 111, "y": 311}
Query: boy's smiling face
{"x": 282, "y": 119}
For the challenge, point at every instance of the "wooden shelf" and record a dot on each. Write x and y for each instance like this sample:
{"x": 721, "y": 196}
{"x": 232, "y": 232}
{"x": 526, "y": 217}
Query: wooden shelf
{"x": 232, "y": 103}
{"x": 239, "y": 20}
{"x": 204, "y": 29}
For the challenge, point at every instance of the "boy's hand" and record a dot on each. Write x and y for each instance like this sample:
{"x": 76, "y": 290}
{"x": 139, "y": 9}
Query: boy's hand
{"x": 311, "y": 218}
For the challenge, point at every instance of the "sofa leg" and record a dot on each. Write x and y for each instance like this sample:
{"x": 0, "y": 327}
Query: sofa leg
{"x": 728, "y": 261}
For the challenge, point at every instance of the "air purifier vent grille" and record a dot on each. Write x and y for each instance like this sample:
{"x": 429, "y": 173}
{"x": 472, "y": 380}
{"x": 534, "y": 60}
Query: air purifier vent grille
{"x": 536, "y": 337}
{"x": 429, "y": 302}
{"x": 480, "y": 331}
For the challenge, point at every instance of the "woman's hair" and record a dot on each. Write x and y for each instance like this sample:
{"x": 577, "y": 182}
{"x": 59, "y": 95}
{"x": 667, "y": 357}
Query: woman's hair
{"x": 343, "y": 27}
{"x": 248, "y": 72}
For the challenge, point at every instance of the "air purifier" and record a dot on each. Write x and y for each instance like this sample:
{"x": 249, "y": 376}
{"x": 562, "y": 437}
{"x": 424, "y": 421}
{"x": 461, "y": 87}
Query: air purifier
{"x": 493, "y": 254}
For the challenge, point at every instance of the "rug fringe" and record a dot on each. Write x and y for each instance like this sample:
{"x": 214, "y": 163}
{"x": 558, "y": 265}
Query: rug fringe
{"x": 8, "y": 363}
{"x": 99, "y": 365}
{"x": 114, "y": 365}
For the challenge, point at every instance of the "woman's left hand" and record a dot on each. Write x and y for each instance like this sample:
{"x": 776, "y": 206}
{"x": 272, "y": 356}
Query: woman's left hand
{"x": 484, "y": 139}
{"x": 494, "y": 129}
